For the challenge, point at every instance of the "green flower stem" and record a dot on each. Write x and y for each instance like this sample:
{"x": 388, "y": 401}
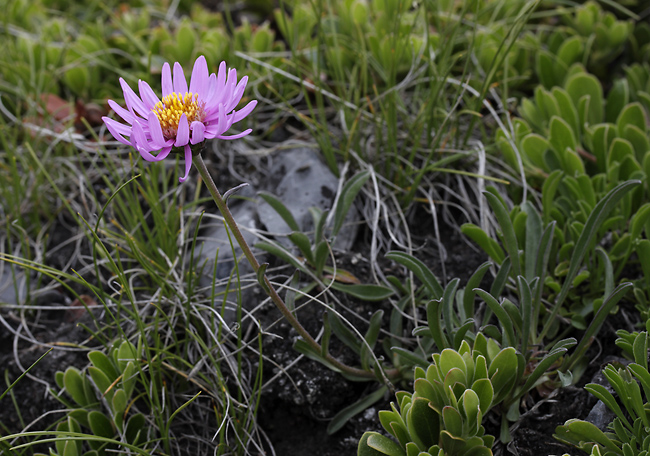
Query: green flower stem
{"x": 275, "y": 297}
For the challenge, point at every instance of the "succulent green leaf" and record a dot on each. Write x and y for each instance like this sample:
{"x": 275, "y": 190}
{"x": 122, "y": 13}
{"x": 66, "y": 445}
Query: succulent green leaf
{"x": 423, "y": 424}
{"x": 135, "y": 429}
{"x": 617, "y": 99}
{"x": 74, "y": 385}
{"x": 581, "y": 85}
{"x": 561, "y": 136}
{"x": 375, "y": 444}
{"x": 485, "y": 393}
{"x": 503, "y": 371}
{"x": 100, "y": 424}
{"x": 568, "y": 111}
{"x": 453, "y": 421}
{"x": 103, "y": 362}
{"x": 125, "y": 353}
{"x": 632, "y": 114}
{"x": 102, "y": 382}
{"x": 639, "y": 140}
{"x": 533, "y": 148}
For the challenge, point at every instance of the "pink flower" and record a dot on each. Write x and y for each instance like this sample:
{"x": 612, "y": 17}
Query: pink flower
{"x": 184, "y": 116}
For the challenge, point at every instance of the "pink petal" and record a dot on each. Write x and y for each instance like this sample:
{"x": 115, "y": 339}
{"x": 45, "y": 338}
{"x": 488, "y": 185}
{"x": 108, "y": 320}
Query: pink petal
{"x": 139, "y": 139}
{"x": 246, "y": 110}
{"x": 180, "y": 84}
{"x": 167, "y": 86}
{"x": 237, "y": 136}
{"x": 188, "y": 162}
{"x": 199, "y": 80}
{"x": 239, "y": 91}
{"x": 198, "y": 132}
{"x": 148, "y": 96}
{"x": 117, "y": 130}
{"x": 155, "y": 129}
{"x": 183, "y": 133}
{"x": 123, "y": 113}
{"x": 133, "y": 102}
{"x": 210, "y": 91}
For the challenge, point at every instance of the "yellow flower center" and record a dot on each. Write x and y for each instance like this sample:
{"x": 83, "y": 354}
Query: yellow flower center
{"x": 172, "y": 107}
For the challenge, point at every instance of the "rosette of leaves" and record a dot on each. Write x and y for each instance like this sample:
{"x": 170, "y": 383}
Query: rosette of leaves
{"x": 443, "y": 415}
{"x": 629, "y": 433}
{"x": 99, "y": 403}
{"x": 573, "y": 128}
{"x": 591, "y": 35}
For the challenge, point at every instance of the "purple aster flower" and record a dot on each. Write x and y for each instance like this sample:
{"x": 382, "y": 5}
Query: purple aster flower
{"x": 184, "y": 116}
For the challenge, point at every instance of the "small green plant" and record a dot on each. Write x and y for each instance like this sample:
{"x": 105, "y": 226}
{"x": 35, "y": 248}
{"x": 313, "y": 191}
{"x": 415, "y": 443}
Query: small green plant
{"x": 629, "y": 433}
{"x": 443, "y": 416}
{"x": 102, "y": 403}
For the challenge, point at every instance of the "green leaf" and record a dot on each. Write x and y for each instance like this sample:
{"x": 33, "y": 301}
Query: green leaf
{"x": 281, "y": 209}
{"x": 74, "y": 385}
{"x": 452, "y": 420}
{"x": 480, "y": 237}
{"x": 577, "y": 431}
{"x": 344, "y": 333}
{"x": 423, "y": 423}
{"x": 434, "y": 323}
{"x": 544, "y": 69}
{"x": 595, "y": 324}
{"x": 280, "y": 252}
{"x": 533, "y": 147}
{"x": 639, "y": 140}
{"x": 366, "y": 292}
{"x": 602, "y": 137}
{"x": 371, "y": 338}
{"x": 509, "y": 238}
{"x": 420, "y": 270}
{"x": 348, "y": 194}
{"x": 119, "y": 401}
{"x": 503, "y": 372}
{"x": 617, "y": 99}
{"x": 103, "y": 362}
{"x": 595, "y": 220}
{"x": 375, "y": 444}
{"x": 303, "y": 243}
{"x": 485, "y": 393}
{"x": 502, "y": 316}
{"x": 135, "y": 429}
{"x": 468, "y": 293}
{"x": 632, "y": 114}
{"x": 568, "y": 111}
{"x": 569, "y": 53}
{"x": 100, "y": 424}
{"x": 582, "y": 85}
{"x": 561, "y": 138}
{"x": 354, "y": 409}
{"x": 102, "y": 382}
